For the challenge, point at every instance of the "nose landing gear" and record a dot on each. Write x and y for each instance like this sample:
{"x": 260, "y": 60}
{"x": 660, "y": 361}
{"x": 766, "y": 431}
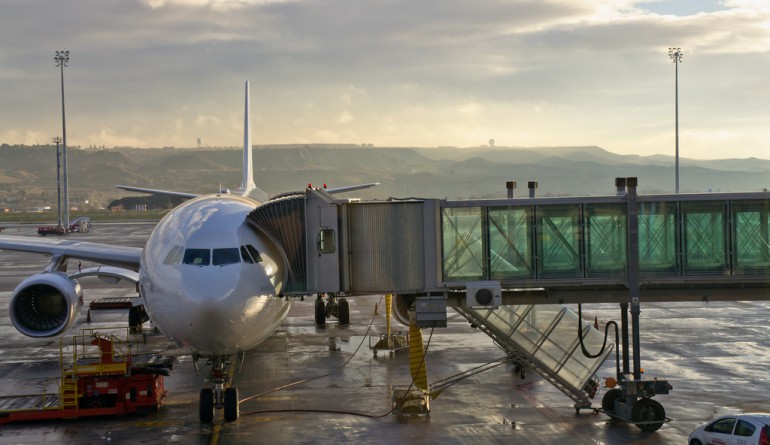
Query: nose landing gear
{"x": 223, "y": 395}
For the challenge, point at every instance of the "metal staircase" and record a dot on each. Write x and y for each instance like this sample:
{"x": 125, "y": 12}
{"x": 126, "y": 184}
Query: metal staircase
{"x": 544, "y": 338}
{"x": 68, "y": 391}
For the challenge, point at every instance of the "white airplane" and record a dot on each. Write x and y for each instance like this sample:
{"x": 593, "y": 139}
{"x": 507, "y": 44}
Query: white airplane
{"x": 207, "y": 280}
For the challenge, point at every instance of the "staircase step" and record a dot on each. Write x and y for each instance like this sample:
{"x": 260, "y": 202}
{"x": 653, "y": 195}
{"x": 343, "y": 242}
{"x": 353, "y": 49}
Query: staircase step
{"x": 546, "y": 330}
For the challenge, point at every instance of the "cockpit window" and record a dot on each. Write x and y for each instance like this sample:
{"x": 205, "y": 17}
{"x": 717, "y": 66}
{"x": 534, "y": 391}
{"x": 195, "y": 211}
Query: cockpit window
{"x": 246, "y": 257}
{"x": 174, "y": 255}
{"x": 254, "y": 254}
{"x": 197, "y": 257}
{"x": 226, "y": 256}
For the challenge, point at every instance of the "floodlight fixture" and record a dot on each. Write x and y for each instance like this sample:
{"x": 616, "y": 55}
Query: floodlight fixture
{"x": 62, "y": 58}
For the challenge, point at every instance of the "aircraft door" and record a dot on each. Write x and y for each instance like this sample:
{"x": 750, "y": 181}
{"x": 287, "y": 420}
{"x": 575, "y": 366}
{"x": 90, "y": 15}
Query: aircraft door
{"x": 323, "y": 254}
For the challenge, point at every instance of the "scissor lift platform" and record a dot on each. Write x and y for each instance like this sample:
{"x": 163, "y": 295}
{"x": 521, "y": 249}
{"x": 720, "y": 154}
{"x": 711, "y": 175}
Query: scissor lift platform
{"x": 116, "y": 380}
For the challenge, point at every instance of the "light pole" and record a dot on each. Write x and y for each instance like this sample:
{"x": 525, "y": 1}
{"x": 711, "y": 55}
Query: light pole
{"x": 62, "y": 58}
{"x": 57, "y": 141}
{"x": 675, "y": 54}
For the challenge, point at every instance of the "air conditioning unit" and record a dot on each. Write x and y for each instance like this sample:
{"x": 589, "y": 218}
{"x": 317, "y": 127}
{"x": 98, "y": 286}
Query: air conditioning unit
{"x": 483, "y": 294}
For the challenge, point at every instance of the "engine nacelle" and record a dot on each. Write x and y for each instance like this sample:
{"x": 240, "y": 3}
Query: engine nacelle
{"x": 46, "y": 304}
{"x": 401, "y": 305}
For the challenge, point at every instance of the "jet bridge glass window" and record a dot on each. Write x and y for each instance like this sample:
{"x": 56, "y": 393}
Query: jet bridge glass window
{"x": 461, "y": 230}
{"x": 226, "y": 256}
{"x": 510, "y": 242}
{"x": 751, "y": 237}
{"x": 326, "y": 241}
{"x": 197, "y": 257}
{"x": 606, "y": 253}
{"x": 658, "y": 238}
{"x": 559, "y": 241}
{"x": 704, "y": 236}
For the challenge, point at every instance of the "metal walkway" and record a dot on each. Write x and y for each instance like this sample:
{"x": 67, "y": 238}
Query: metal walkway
{"x": 544, "y": 339}
{"x": 683, "y": 247}
{"x": 579, "y": 249}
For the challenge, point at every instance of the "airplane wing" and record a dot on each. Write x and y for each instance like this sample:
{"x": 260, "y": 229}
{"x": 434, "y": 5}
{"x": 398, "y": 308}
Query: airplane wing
{"x": 350, "y": 188}
{"x": 119, "y": 256}
{"x": 158, "y": 192}
{"x": 254, "y": 193}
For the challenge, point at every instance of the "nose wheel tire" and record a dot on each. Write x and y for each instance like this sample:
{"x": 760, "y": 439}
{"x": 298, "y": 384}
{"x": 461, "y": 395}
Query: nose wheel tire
{"x": 231, "y": 404}
{"x": 206, "y": 405}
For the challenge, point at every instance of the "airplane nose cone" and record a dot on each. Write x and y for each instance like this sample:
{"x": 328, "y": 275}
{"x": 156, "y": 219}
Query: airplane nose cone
{"x": 216, "y": 314}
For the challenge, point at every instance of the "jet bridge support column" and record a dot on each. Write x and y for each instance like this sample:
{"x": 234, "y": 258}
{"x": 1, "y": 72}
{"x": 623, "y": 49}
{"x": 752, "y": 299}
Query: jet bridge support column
{"x": 633, "y": 270}
{"x": 633, "y": 402}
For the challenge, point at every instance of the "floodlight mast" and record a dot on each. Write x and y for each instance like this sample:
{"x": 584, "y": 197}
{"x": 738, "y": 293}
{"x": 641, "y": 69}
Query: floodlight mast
{"x": 675, "y": 54}
{"x": 62, "y": 58}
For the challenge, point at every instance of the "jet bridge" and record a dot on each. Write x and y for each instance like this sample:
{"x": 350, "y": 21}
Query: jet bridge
{"x": 687, "y": 247}
{"x": 479, "y": 255}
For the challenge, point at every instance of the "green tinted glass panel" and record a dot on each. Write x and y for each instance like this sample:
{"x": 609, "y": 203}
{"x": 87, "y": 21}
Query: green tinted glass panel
{"x": 606, "y": 239}
{"x": 751, "y": 235}
{"x": 657, "y": 238}
{"x": 463, "y": 252}
{"x": 704, "y": 238}
{"x": 558, "y": 229}
{"x": 510, "y": 243}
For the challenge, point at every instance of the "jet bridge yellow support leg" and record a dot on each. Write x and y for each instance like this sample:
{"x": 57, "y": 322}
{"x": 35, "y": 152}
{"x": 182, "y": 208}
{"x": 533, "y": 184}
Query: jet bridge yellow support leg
{"x": 414, "y": 400}
{"x": 389, "y": 341}
{"x": 388, "y": 317}
{"x": 417, "y": 365}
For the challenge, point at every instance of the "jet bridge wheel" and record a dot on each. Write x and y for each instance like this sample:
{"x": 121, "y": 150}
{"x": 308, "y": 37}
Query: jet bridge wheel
{"x": 648, "y": 410}
{"x": 231, "y": 404}
{"x": 320, "y": 311}
{"x": 608, "y": 401}
{"x": 206, "y": 405}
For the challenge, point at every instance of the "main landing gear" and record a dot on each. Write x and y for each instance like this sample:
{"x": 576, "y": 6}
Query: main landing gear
{"x": 223, "y": 395}
{"x": 337, "y": 307}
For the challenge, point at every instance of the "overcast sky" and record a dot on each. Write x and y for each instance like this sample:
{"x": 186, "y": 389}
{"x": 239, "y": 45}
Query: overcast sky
{"x": 153, "y": 73}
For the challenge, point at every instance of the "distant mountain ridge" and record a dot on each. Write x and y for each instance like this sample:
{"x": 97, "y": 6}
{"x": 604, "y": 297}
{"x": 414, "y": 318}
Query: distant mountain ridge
{"x": 446, "y": 172}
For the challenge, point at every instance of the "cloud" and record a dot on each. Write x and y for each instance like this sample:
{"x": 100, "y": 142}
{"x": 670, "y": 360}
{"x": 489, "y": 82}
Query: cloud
{"x": 391, "y": 72}
{"x": 345, "y": 117}
{"x": 215, "y": 4}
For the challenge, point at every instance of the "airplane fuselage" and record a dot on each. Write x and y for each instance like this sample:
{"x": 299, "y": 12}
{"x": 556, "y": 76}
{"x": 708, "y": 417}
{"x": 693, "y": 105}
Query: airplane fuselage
{"x": 209, "y": 281}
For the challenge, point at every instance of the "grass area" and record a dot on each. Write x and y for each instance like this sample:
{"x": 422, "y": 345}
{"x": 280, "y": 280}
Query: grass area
{"x": 46, "y": 218}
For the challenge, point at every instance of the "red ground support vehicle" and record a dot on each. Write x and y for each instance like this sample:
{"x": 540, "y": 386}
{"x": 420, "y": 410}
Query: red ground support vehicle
{"x": 81, "y": 224}
{"x": 50, "y": 230}
{"x": 113, "y": 381}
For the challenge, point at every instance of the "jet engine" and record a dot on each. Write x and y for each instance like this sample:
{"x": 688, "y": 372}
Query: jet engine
{"x": 46, "y": 304}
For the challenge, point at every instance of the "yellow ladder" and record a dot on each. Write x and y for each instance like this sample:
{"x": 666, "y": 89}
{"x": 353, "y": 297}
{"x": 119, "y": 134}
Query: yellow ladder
{"x": 68, "y": 392}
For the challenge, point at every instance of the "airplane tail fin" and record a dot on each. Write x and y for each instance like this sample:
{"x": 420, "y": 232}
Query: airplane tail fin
{"x": 248, "y": 188}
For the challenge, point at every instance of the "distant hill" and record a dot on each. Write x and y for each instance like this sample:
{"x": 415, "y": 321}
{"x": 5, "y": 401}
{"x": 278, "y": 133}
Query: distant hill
{"x": 29, "y": 173}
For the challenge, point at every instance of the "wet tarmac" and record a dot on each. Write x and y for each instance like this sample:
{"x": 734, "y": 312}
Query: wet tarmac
{"x": 716, "y": 356}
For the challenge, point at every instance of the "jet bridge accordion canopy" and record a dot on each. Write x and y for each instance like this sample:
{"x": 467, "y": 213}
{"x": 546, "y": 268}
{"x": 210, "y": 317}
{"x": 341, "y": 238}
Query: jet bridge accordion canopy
{"x": 283, "y": 221}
